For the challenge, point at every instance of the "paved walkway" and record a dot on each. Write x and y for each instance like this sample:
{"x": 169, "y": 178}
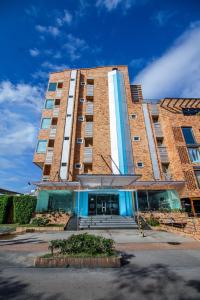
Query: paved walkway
{"x": 161, "y": 266}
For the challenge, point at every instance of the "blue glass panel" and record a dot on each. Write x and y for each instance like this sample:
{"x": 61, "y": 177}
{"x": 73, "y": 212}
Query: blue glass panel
{"x": 194, "y": 154}
{"x": 188, "y": 135}
{"x": 52, "y": 86}
{"x": 46, "y": 123}
{"x": 42, "y": 145}
{"x": 49, "y": 104}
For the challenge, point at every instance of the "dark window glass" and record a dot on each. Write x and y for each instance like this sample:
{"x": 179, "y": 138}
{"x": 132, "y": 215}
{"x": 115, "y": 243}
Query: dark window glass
{"x": 188, "y": 135}
{"x": 190, "y": 111}
{"x": 52, "y": 86}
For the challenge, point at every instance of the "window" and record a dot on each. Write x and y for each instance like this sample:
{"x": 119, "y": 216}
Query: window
{"x": 133, "y": 116}
{"x": 41, "y": 146}
{"x": 47, "y": 170}
{"x": 82, "y": 83}
{"x": 188, "y": 135}
{"x": 81, "y": 118}
{"x": 82, "y": 100}
{"x": 66, "y": 138}
{"x": 54, "y": 121}
{"x": 140, "y": 164}
{"x": 49, "y": 104}
{"x": 79, "y": 141}
{"x": 60, "y": 85}
{"x": 194, "y": 155}
{"x": 190, "y": 111}
{"x": 69, "y": 115}
{"x": 52, "y": 86}
{"x": 57, "y": 102}
{"x": 197, "y": 174}
{"x": 64, "y": 164}
{"x": 78, "y": 166}
{"x": 46, "y": 123}
{"x": 136, "y": 138}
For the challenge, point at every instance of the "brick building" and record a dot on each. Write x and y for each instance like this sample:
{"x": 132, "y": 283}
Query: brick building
{"x": 103, "y": 149}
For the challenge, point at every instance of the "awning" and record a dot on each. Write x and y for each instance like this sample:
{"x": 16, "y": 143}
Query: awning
{"x": 111, "y": 181}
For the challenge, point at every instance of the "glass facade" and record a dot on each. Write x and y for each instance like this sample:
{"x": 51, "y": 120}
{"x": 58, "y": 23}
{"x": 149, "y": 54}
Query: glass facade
{"x": 197, "y": 174}
{"x": 49, "y": 104}
{"x": 41, "y": 146}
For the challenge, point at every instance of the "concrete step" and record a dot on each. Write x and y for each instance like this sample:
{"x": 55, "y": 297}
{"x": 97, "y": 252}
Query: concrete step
{"x": 102, "y": 222}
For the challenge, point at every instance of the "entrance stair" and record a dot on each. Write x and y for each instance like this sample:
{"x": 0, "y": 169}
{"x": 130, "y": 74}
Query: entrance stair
{"x": 107, "y": 221}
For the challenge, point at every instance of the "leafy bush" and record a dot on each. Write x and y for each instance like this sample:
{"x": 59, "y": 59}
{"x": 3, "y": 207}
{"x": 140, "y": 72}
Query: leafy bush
{"x": 153, "y": 222}
{"x": 40, "y": 221}
{"x": 24, "y": 206}
{"x": 83, "y": 243}
{"x": 5, "y": 202}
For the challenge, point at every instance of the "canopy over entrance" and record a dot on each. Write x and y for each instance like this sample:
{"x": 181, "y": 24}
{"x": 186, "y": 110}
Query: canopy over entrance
{"x": 101, "y": 181}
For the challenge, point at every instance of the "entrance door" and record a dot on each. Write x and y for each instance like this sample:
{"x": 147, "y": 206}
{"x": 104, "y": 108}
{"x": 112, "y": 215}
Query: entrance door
{"x": 103, "y": 204}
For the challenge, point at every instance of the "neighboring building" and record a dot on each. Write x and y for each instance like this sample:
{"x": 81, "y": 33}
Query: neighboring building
{"x": 7, "y": 192}
{"x": 104, "y": 150}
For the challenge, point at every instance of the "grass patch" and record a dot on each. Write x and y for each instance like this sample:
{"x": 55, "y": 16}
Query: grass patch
{"x": 78, "y": 255}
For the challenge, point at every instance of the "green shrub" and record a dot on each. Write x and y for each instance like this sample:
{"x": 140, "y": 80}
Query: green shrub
{"x": 40, "y": 221}
{"x": 153, "y": 222}
{"x": 24, "y": 206}
{"x": 83, "y": 243}
{"x": 5, "y": 202}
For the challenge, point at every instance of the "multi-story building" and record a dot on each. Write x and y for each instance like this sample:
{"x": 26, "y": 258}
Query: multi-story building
{"x": 103, "y": 149}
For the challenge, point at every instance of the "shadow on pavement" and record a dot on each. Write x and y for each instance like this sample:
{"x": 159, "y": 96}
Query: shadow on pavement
{"x": 153, "y": 282}
{"x": 21, "y": 241}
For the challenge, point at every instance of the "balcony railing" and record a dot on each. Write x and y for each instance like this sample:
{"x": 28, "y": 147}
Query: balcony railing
{"x": 154, "y": 110}
{"x": 89, "y": 129}
{"x": 90, "y": 90}
{"x": 52, "y": 133}
{"x": 167, "y": 176}
{"x": 49, "y": 155}
{"x": 158, "y": 130}
{"x": 89, "y": 109}
{"x": 163, "y": 154}
{"x": 87, "y": 157}
{"x": 45, "y": 177}
{"x": 55, "y": 111}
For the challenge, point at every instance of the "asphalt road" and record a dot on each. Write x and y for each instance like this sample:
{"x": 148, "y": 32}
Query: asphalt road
{"x": 154, "y": 273}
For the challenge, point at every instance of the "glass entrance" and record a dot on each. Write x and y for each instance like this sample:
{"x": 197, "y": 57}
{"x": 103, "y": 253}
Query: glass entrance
{"x": 103, "y": 204}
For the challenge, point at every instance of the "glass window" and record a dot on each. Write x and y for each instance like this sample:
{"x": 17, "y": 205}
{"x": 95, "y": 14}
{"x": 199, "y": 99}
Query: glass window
{"x": 188, "y": 135}
{"x": 46, "y": 123}
{"x": 41, "y": 146}
{"x": 49, "y": 104}
{"x": 194, "y": 154}
{"x": 197, "y": 174}
{"x": 52, "y": 86}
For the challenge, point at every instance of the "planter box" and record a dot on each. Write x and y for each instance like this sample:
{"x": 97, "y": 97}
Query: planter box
{"x": 87, "y": 262}
{"x": 21, "y": 229}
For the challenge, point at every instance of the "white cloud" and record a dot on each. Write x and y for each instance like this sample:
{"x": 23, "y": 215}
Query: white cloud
{"x": 21, "y": 94}
{"x": 136, "y": 62}
{"x": 162, "y": 17}
{"x": 65, "y": 19}
{"x": 17, "y": 134}
{"x": 53, "y": 67}
{"x": 113, "y": 4}
{"x": 177, "y": 72}
{"x": 53, "y": 30}
{"x": 75, "y": 46}
{"x": 34, "y": 52}
{"x": 32, "y": 11}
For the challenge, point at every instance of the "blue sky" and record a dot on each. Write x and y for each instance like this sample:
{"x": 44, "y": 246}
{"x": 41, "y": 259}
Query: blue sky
{"x": 159, "y": 41}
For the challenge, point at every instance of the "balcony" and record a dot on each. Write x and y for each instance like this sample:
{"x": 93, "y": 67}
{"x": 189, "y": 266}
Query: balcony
{"x": 52, "y": 133}
{"x": 89, "y": 129}
{"x": 87, "y": 156}
{"x": 163, "y": 154}
{"x": 90, "y": 91}
{"x": 49, "y": 155}
{"x": 55, "y": 111}
{"x": 154, "y": 110}
{"x": 158, "y": 130}
{"x": 89, "y": 109}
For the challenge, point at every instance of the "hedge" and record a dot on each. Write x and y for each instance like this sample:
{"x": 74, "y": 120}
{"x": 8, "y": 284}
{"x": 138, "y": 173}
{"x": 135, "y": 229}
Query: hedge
{"x": 5, "y": 202}
{"x": 24, "y": 206}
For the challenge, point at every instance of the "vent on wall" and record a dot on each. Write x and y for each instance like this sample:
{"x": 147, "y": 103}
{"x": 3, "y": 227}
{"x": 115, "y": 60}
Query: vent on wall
{"x": 183, "y": 155}
{"x": 177, "y": 132}
{"x": 190, "y": 180}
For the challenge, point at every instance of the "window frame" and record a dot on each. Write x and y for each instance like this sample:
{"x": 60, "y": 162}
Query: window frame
{"x": 52, "y": 83}
{"x": 76, "y": 166}
{"x": 136, "y": 138}
{"x": 142, "y": 164}
{"x": 79, "y": 140}
{"x": 190, "y": 154}
{"x": 39, "y": 141}
{"x": 42, "y": 121}
{"x": 192, "y": 135}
